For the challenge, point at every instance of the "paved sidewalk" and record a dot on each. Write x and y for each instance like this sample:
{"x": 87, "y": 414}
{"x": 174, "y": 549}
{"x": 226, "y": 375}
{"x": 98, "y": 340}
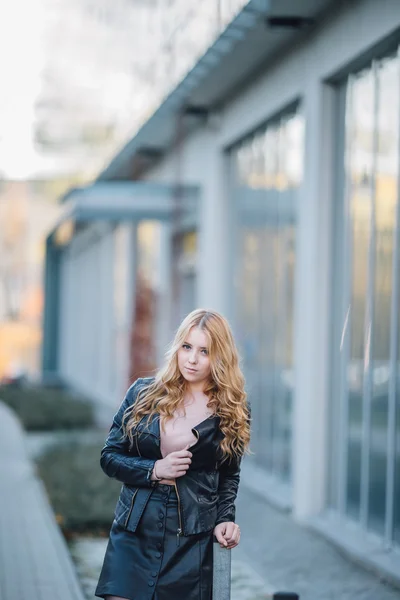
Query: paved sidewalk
{"x": 34, "y": 560}
{"x": 289, "y": 557}
{"x": 275, "y": 553}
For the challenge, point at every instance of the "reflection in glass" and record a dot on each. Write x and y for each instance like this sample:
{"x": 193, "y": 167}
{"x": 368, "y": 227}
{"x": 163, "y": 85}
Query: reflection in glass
{"x": 385, "y": 212}
{"x": 371, "y": 172}
{"x": 396, "y": 503}
{"x": 143, "y": 352}
{"x": 361, "y": 132}
{"x": 268, "y": 169}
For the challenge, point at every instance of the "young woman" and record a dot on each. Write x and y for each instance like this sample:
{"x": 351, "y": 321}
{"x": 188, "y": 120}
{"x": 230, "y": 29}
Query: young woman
{"x": 176, "y": 444}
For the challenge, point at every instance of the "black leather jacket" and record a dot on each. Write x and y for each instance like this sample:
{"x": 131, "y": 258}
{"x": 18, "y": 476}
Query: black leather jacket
{"x": 206, "y": 493}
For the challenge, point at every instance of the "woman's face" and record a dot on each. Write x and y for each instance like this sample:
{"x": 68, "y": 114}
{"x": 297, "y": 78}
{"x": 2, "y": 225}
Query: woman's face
{"x": 193, "y": 357}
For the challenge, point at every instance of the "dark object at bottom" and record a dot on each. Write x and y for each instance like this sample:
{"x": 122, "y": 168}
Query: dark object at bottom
{"x": 285, "y": 596}
{"x": 154, "y": 563}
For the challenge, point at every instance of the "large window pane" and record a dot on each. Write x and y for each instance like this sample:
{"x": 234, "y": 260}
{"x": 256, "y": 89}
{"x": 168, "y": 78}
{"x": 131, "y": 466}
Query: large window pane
{"x": 360, "y": 131}
{"x": 268, "y": 170}
{"x": 396, "y": 502}
{"x": 385, "y": 218}
{"x": 367, "y": 278}
{"x": 396, "y": 499}
{"x": 143, "y": 354}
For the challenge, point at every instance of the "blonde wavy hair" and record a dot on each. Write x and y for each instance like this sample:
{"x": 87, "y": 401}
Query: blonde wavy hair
{"x": 225, "y": 390}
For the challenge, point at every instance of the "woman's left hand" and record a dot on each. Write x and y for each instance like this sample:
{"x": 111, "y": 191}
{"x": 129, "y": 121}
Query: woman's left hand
{"x": 227, "y": 534}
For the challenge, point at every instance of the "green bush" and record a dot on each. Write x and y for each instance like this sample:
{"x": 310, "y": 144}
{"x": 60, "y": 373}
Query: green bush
{"x": 82, "y": 496}
{"x": 44, "y": 408}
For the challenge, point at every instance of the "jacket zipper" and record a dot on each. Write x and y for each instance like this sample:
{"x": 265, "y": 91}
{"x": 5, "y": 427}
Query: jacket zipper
{"x": 130, "y": 510}
{"x": 137, "y": 445}
{"x": 179, "y": 531}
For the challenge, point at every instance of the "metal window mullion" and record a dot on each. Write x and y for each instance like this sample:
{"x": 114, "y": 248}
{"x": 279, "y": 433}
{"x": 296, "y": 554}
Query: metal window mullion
{"x": 394, "y": 320}
{"x": 284, "y": 336}
{"x": 369, "y": 321}
{"x": 282, "y": 320}
{"x": 333, "y": 462}
{"x": 276, "y": 330}
{"x": 258, "y": 334}
{"x": 269, "y": 367}
{"x": 263, "y": 306}
{"x": 345, "y": 266}
{"x": 280, "y": 311}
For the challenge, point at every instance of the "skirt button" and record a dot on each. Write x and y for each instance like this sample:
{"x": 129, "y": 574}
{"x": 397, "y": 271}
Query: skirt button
{"x": 150, "y": 583}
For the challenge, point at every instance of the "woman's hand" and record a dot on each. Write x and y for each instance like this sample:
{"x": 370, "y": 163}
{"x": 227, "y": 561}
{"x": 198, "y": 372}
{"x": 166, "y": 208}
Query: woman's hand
{"x": 174, "y": 464}
{"x": 227, "y": 534}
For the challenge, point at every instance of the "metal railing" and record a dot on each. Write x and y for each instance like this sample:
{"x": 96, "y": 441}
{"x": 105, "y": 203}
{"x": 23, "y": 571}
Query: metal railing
{"x": 222, "y": 578}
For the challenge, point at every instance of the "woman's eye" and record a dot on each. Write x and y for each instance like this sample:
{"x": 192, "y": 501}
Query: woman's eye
{"x": 205, "y": 352}
{"x": 186, "y": 346}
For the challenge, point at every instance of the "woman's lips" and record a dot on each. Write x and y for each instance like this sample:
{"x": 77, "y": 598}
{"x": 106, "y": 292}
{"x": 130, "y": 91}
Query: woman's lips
{"x": 191, "y": 370}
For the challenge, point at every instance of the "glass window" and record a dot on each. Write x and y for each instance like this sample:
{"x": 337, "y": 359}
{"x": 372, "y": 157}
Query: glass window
{"x": 366, "y": 351}
{"x": 396, "y": 499}
{"x": 143, "y": 352}
{"x": 386, "y": 177}
{"x": 360, "y": 206}
{"x": 267, "y": 169}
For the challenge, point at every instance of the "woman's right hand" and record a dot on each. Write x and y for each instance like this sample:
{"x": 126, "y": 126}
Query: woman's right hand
{"x": 174, "y": 464}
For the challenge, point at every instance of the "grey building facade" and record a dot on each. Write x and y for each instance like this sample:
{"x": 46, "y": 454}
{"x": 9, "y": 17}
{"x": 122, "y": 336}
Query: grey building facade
{"x": 288, "y": 130}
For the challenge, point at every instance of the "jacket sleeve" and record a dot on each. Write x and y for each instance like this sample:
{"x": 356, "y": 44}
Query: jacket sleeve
{"x": 229, "y": 477}
{"x": 116, "y": 460}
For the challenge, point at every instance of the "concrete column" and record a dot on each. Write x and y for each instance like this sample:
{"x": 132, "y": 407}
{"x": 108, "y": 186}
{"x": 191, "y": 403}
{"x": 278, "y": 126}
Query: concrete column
{"x": 131, "y": 291}
{"x": 103, "y": 309}
{"x": 109, "y": 316}
{"x": 63, "y": 314}
{"x": 65, "y": 326}
{"x": 70, "y": 299}
{"x": 52, "y": 311}
{"x": 164, "y": 331}
{"x": 312, "y": 308}
{"x": 77, "y": 351}
{"x": 125, "y": 253}
{"x": 96, "y": 305}
{"x": 213, "y": 230}
{"x": 105, "y": 397}
{"x": 84, "y": 333}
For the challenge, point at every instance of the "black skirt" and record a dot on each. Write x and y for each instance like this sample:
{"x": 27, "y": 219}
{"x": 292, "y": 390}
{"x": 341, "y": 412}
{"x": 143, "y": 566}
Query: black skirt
{"x": 154, "y": 563}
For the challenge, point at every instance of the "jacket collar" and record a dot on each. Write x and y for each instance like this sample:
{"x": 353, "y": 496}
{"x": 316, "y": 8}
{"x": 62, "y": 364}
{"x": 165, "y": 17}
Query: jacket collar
{"x": 153, "y": 427}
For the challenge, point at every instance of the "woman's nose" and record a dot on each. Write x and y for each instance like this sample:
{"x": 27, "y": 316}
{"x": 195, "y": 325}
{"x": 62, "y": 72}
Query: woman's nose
{"x": 193, "y": 358}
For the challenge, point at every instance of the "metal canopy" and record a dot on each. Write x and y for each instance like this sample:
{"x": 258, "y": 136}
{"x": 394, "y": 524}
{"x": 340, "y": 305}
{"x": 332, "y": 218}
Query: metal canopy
{"x": 124, "y": 200}
{"x": 246, "y": 46}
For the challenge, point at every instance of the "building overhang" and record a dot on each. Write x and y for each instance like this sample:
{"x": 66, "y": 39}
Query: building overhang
{"x": 118, "y": 201}
{"x": 262, "y": 31}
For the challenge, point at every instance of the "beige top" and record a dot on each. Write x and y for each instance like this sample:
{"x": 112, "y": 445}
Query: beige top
{"x": 176, "y": 433}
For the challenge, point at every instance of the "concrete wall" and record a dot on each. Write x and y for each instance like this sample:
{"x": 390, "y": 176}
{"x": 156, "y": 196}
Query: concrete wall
{"x": 95, "y": 313}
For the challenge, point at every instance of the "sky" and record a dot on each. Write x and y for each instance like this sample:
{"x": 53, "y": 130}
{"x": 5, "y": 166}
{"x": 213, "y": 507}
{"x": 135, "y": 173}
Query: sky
{"x": 70, "y": 69}
{"x": 21, "y": 62}
{"x": 92, "y": 82}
